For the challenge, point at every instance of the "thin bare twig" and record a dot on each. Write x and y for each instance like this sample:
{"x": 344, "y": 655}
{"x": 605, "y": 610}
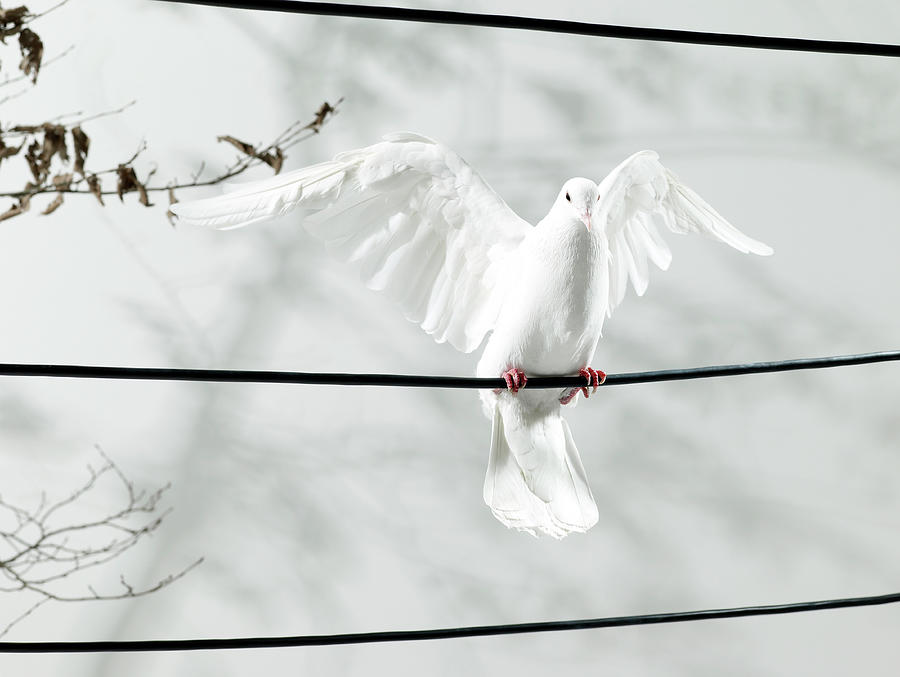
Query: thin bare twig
{"x": 44, "y": 547}
{"x": 25, "y": 130}
{"x": 21, "y": 617}
{"x": 47, "y": 11}
{"x": 46, "y": 62}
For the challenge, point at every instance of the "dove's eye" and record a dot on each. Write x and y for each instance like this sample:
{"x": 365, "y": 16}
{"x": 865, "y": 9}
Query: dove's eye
{"x": 568, "y": 198}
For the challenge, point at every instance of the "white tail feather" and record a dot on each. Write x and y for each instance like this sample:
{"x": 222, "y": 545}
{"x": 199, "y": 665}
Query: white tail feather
{"x": 535, "y": 480}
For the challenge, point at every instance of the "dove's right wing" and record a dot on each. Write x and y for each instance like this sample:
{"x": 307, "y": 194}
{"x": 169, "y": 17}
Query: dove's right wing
{"x": 417, "y": 221}
{"x": 639, "y": 197}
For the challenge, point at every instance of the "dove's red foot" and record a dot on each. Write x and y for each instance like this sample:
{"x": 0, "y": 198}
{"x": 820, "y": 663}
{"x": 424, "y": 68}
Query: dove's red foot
{"x": 515, "y": 379}
{"x": 593, "y": 377}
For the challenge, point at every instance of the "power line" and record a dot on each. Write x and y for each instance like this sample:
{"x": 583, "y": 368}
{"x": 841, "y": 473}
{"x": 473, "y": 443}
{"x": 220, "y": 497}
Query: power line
{"x": 439, "y": 633}
{"x": 415, "y": 381}
{"x": 438, "y": 16}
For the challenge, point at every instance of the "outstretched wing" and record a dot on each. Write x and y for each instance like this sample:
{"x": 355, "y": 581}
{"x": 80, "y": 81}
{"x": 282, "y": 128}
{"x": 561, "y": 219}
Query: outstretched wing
{"x": 639, "y": 197}
{"x": 416, "y": 221}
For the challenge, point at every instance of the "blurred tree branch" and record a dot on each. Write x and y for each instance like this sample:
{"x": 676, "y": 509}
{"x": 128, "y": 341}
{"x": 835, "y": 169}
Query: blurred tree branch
{"x": 44, "y": 147}
{"x": 45, "y": 550}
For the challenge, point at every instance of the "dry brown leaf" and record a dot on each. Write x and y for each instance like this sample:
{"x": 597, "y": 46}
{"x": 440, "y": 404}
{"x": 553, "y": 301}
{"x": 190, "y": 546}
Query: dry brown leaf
{"x": 39, "y": 154}
{"x": 321, "y": 115}
{"x": 275, "y": 161}
{"x": 242, "y": 146}
{"x": 143, "y": 198}
{"x": 53, "y": 206}
{"x": 33, "y": 157}
{"x": 11, "y": 21}
{"x": 80, "y": 144}
{"x": 25, "y": 200}
{"x": 62, "y": 181}
{"x": 21, "y": 206}
{"x": 32, "y": 49}
{"x": 54, "y": 143}
{"x": 15, "y": 210}
{"x": 9, "y": 151}
{"x": 13, "y": 15}
{"x": 169, "y": 213}
{"x": 94, "y": 186}
{"x": 128, "y": 183}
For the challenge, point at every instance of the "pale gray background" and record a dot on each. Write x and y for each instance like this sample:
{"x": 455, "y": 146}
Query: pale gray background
{"x": 333, "y": 510}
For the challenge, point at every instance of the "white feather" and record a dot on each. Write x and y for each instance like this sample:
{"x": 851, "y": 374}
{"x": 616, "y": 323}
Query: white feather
{"x": 535, "y": 480}
{"x": 404, "y": 210}
{"x": 639, "y": 195}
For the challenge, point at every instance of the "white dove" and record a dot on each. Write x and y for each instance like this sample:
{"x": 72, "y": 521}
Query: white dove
{"x": 422, "y": 226}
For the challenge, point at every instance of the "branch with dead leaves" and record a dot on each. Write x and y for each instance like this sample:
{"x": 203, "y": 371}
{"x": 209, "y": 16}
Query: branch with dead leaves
{"x": 44, "y": 550}
{"x": 14, "y": 22}
{"x": 57, "y": 171}
{"x": 45, "y": 147}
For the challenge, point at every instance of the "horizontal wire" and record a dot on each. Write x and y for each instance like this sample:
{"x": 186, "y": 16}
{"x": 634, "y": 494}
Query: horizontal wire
{"x": 121, "y": 646}
{"x": 438, "y": 16}
{"x": 414, "y": 381}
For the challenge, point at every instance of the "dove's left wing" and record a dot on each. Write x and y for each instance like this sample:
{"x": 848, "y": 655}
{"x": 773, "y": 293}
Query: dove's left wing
{"x": 639, "y": 197}
{"x": 416, "y": 221}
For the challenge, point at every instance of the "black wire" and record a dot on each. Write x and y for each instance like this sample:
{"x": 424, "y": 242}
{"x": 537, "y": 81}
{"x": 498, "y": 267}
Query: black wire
{"x": 438, "y": 16}
{"x": 440, "y": 633}
{"x": 412, "y": 381}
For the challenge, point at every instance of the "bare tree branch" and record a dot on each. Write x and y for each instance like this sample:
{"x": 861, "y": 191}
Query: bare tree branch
{"x": 42, "y": 550}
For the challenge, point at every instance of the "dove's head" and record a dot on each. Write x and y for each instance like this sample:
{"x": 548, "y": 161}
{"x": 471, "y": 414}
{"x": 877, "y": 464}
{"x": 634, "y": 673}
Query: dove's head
{"x": 577, "y": 200}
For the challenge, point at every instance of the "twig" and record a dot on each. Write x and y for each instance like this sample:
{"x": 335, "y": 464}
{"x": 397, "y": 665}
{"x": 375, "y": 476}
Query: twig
{"x": 43, "y": 548}
{"x": 34, "y": 17}
{"x": 20, "y": 130}
{"x": 44, "y": 64}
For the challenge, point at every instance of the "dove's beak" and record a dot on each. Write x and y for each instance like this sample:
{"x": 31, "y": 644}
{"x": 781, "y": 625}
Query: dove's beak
{"x": 586, "y": 220}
